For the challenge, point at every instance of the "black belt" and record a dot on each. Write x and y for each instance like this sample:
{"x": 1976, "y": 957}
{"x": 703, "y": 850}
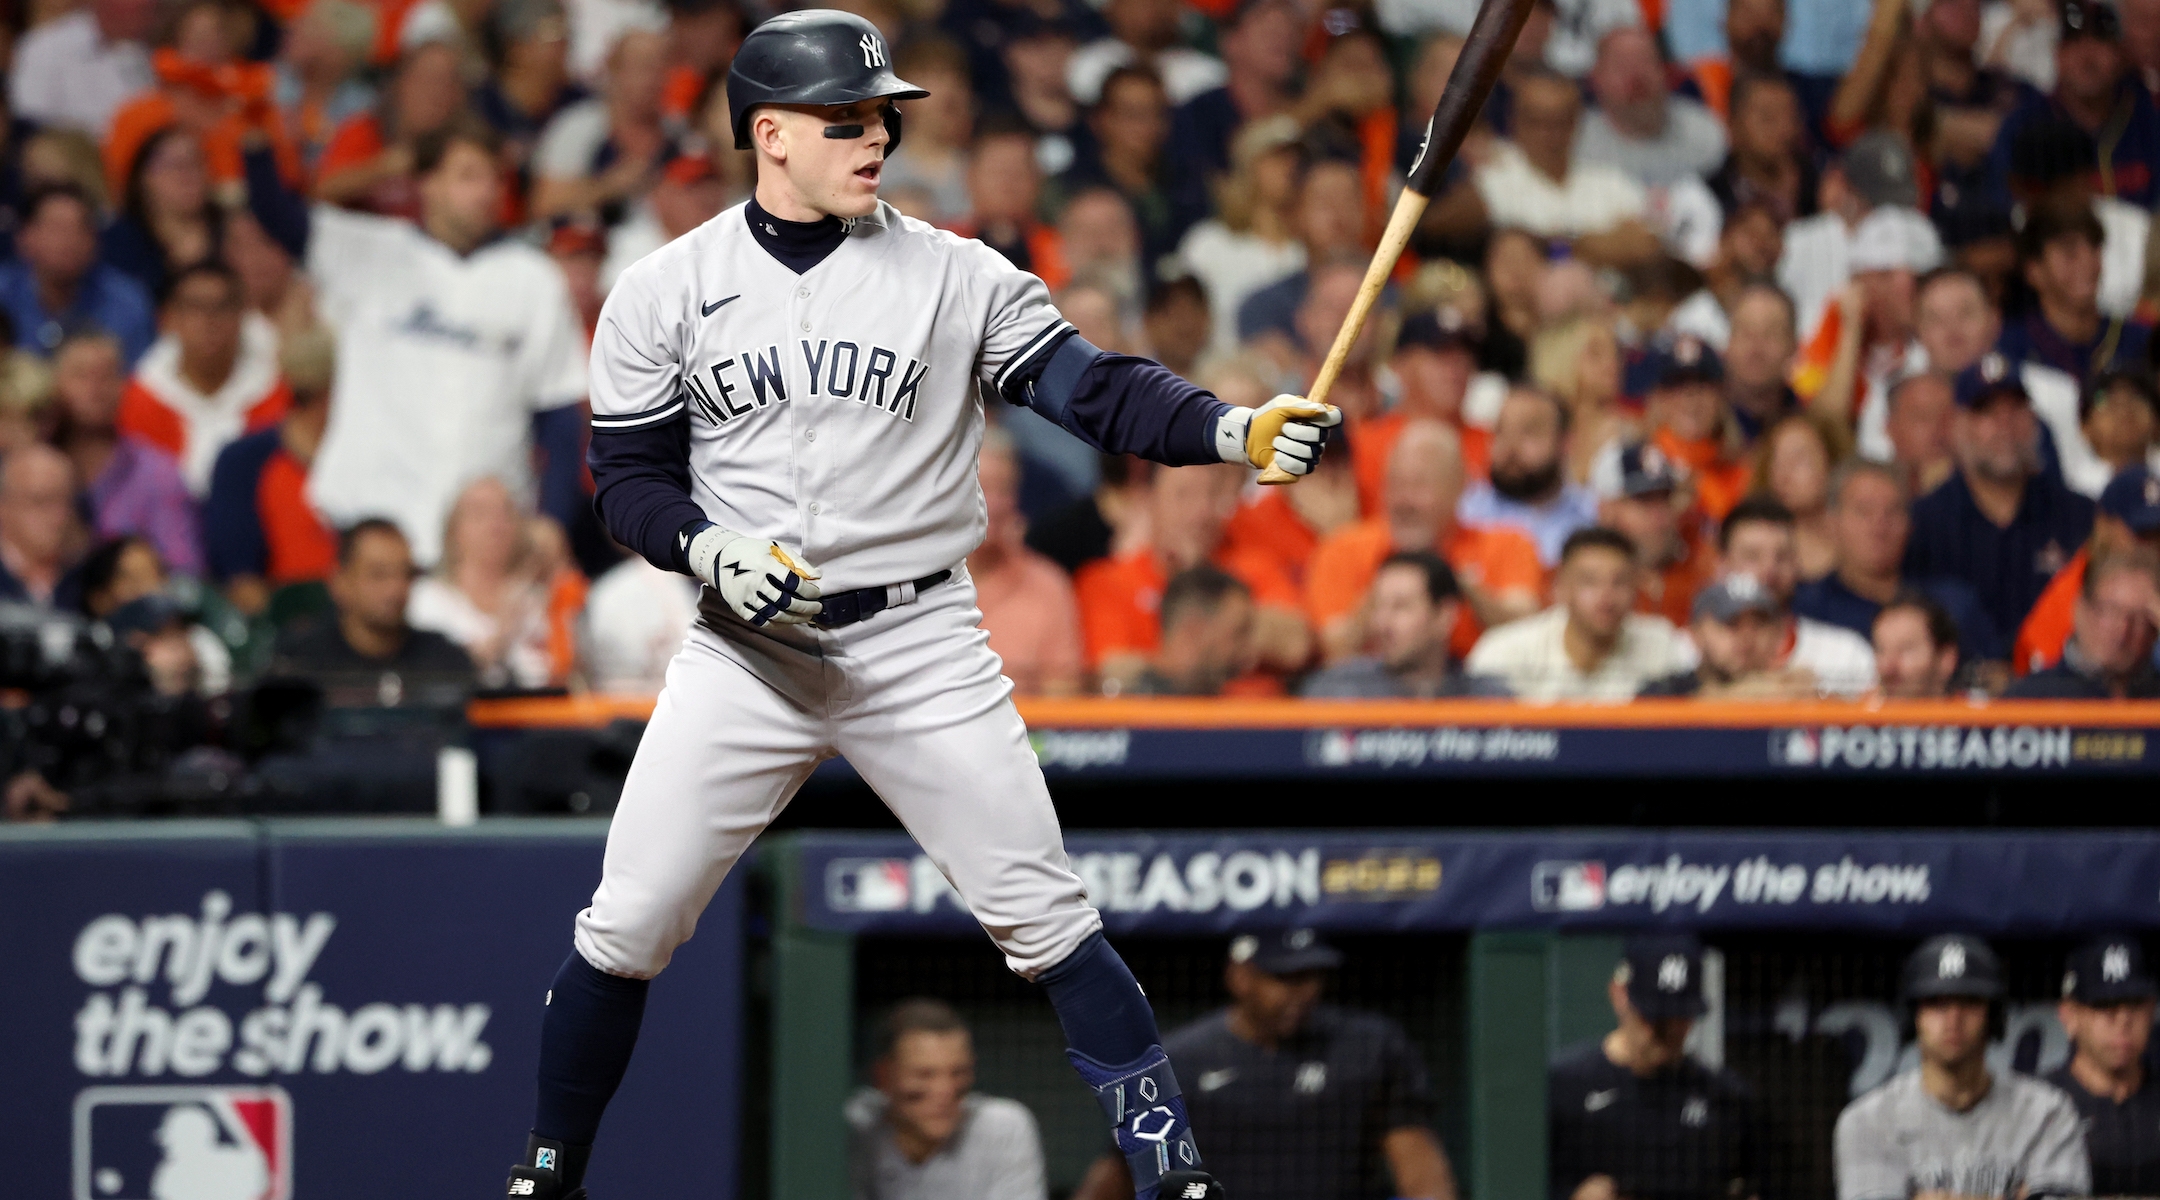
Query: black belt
{"x": 846, "y": 608}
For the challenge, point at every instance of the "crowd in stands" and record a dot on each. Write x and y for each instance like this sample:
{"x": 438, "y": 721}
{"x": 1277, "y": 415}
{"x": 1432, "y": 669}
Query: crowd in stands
{"x": 1743, "y": 351}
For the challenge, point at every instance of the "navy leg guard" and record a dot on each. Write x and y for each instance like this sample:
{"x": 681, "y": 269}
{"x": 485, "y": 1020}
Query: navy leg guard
{"x": 1144, "y": 1104}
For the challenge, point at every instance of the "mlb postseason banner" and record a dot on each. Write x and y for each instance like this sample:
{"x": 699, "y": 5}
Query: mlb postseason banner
{"x": 1202, "y": 883}
{"x": 1668, "y": 739}
{"x": 335, "y": 1010}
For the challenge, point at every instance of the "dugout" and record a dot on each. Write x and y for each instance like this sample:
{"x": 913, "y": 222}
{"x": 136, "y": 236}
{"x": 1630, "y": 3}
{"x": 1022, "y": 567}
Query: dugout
{"x": 1492, "y": 950}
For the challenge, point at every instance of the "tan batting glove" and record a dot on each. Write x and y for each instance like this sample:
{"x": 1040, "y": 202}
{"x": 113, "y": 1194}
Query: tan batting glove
{"x": 1289, "y": 432}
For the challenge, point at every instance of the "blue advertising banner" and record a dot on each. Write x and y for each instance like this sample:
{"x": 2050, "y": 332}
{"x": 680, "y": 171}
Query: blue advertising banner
{"x": 340, "y": 1010}
{"x": 2027, "y": 884}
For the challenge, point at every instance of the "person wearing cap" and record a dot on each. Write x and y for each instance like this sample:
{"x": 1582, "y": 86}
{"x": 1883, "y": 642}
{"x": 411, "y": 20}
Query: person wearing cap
{"x": 1870, "y": 526}
{"x": 1689, "y": 422}
{"x": 2001, "y": 523}
{"x": 1956, "y": 324}
{"x": 1950, "y": 1126}
{"x": 1436, "y": 364}
{"x": 2095, "y": 90}
{"x": 1301, "y": 1100}
{"x": 1865, "y": 338}
{"x": 1739, "y": 628}
{"x": 1527, "y": 487}
{"x": 1641, "y": 498}
{"x": 2128, "y": 515}
{"x": 1631, "y": 1114}
{"x": 1591, "y": 644}
{"x": 1874, "y": 174}
{"x": 922, "y": 1131}
{"x": 2107, "y": 1008}
{"x": 2059, "y": 257}
{"x": 1758, "y": 539}
{"x": 2110, "y": 652}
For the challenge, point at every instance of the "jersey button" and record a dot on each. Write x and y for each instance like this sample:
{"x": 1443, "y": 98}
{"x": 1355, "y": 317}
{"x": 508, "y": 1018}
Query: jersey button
{"x": 809, "y": 435}
{"x": 813, "y": 508}
{"x": 806, "y": 326}
{"x": 802, "y": 293}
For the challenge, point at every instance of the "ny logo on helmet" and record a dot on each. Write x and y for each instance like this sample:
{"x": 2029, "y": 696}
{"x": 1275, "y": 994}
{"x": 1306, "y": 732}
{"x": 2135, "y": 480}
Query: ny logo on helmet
{"x": 1952, "y": 963}
{"x": 873, "y": 53}
{"x": 2115, "y": 964}
{"x": 1672, "y": 973}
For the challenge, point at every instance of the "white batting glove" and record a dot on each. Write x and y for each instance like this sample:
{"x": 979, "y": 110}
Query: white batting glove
{"x": 1289, "y": 432}
{"x": 759, "y": 580}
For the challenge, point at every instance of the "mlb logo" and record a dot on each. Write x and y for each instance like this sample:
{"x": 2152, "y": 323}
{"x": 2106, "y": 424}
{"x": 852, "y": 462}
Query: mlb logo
{"x": 183, "y": 1143}
{"x": 1794, "y": 748}
{"x": 1567, "y": 886}
{"x": 867, "y": 885}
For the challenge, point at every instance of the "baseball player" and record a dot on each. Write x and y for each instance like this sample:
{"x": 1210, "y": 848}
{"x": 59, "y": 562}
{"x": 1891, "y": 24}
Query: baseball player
{"x": 1950, "y": 1126}
{"x": 787, "y": 406}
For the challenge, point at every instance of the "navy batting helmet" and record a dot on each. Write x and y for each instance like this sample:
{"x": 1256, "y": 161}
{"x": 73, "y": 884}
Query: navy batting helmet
{"x": 814, "y": 56}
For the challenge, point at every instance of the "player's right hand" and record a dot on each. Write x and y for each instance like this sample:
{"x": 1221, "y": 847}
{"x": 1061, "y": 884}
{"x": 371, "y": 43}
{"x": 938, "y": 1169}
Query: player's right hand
{"x": 757, "y": 578}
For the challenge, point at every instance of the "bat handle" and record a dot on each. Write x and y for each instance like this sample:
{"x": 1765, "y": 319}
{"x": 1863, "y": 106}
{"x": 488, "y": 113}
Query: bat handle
{"x": 1409, "y": 207}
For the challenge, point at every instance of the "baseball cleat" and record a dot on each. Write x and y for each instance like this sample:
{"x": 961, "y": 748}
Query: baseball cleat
{"x": 1189, "y": 1185}
{"x": 550, "y": 1170}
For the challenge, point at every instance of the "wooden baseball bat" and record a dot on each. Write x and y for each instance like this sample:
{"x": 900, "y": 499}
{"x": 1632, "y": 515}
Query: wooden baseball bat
{"x": 1492, "y": 37}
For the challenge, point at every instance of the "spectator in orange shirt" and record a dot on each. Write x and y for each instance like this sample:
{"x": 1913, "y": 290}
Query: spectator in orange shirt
{"x": 1436, "y": 357}
{"x": 1208, "y": 623}
{"x": 1497, "y": 569}
{"x": 2128, "y": 514}
{"x": 1690, "y": 424}
{"x": 211, "y": 376}
{"x": 1644, "y": 502}
{"x": 1004, "y": 185}
{"x": 1120, "y": 597}
{"x": 1027, "y": 604}
{"x": 1289, "y": 523}
{"x": 260, "y": 532}
{"x": 368, "y": 164}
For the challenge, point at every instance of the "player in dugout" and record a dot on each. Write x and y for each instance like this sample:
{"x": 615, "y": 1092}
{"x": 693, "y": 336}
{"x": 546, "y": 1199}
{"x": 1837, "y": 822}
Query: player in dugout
{"x": 1301, "y": 1100}
{"x": 1950, "y": 1126}
{"x": 2107, "y": 1009}
{"x": 1631, "y": 1114}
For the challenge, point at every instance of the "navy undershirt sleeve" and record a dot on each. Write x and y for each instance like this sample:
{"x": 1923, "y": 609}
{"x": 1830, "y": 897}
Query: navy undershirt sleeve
{"x": 282, "y": 212}
{"x": 1119, "y": 404}
{"x": 641, "y": 489}
{"x": 560, "y": 433}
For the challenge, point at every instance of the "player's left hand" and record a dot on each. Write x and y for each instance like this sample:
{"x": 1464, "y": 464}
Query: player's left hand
{"x": 757, "y": 578}
{"x": 1289, "y": 432}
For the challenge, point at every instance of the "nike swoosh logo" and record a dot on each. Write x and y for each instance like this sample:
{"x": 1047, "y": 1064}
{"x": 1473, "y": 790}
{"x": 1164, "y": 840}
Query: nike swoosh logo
{"x": 717, "y": 305}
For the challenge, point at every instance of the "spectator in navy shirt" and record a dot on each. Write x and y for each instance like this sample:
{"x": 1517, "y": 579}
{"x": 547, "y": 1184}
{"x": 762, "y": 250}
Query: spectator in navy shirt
{"x": 1999, "y": 524}
{"x": 57, "y": 286}
{"x": 1870, "y": 525}
{"x": 2059, "y": 256}
{"x": 2094, "y": 90}
{"x": 1259, "y": 45}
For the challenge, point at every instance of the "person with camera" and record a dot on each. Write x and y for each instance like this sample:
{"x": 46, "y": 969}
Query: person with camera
{"x": 1950, "y": 1126}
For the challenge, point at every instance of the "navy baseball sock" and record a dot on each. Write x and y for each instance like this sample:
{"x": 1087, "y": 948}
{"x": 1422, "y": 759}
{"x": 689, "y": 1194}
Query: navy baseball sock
{"x": 586, "y": 1038}
{"x": 1113, "y": 1043}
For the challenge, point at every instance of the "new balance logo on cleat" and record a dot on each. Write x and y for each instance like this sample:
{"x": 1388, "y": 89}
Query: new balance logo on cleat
{"x": 522, "y": 1187}
{"x": 1194, "y": 1191}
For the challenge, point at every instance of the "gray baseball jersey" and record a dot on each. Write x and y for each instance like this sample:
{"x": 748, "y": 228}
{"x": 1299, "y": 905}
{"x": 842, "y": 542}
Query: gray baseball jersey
{"x": 995, "y": 1154}
{"x": 836, "y": 410}
{"x": 2023, "y": 1138}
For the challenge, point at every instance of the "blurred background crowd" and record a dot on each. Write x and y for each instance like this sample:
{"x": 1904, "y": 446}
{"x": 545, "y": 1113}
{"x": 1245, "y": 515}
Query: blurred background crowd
{"x": 1744, "y": 351}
